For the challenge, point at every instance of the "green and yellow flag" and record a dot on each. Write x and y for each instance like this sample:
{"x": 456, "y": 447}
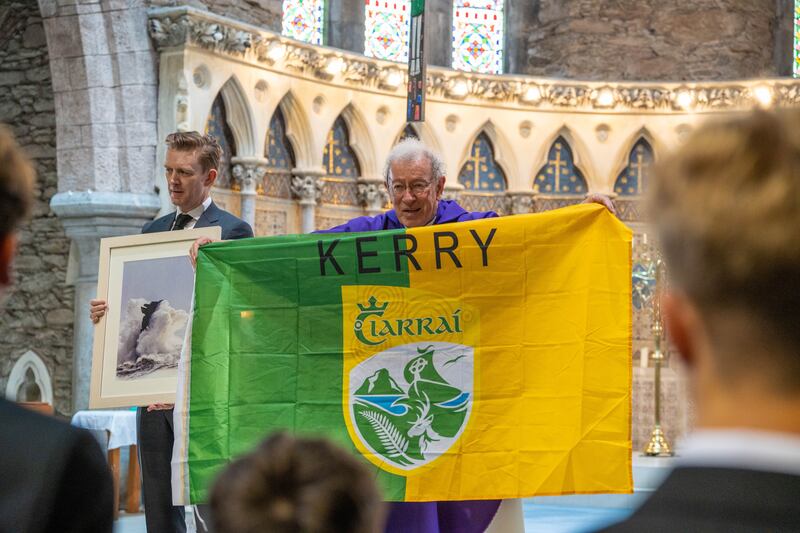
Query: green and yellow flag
{"x": 478, "y": 360}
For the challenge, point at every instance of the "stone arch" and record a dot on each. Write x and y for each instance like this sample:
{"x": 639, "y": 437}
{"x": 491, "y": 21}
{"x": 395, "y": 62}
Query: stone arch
{"x": 621, "y": 159}
{"x": 361, "y": 141}
{"x": 425, "y": 133}
{"x": 240, "y": 118}
{"x": 580, "y": 155}
{"x": 298, "y": 130}
{"x": 30, "y": 361}
{"x": 503, "y": 151}
{"x": 401, "y": 134}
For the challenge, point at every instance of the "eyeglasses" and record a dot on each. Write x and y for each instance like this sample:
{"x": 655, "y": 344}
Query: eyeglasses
{"x": 417, "y": 188}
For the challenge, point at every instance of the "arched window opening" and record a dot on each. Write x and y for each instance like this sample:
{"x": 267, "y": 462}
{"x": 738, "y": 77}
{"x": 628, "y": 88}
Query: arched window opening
{"x": 478, "y": 36}
{"x": 217, "y": 125}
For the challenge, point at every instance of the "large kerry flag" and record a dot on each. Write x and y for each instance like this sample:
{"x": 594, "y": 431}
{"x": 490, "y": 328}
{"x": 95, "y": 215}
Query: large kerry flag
{"x": 485, "y": 359}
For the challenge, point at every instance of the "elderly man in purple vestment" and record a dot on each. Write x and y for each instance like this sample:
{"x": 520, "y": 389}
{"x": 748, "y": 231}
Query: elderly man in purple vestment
{"x": 415, "y": 178}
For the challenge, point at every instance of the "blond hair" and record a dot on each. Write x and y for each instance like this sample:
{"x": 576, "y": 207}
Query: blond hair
{"x": 209, "y": 151}
{"x": 727, "y": 209}
{"x": 16, "y": 183}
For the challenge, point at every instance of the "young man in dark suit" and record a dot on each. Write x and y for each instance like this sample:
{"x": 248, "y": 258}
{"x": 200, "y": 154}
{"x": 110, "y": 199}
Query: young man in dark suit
{"x": 53, "y": 477}
{"x": 726, "y": 208}
{"x": 191, "y": 167}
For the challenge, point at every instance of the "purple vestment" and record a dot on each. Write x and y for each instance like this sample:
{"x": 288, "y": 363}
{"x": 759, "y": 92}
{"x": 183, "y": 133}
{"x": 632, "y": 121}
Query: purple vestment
{"x": 430, "y": 517}
{"x": 446, "y": 212}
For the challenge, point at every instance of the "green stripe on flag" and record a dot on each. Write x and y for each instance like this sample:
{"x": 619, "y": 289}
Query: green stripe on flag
{"x": 267, "y": 345}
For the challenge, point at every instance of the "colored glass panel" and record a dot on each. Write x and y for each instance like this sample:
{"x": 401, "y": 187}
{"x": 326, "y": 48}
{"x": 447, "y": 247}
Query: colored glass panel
{"x": 338, "y": 158}
{"x": 386, "y": 26}
{"x": 481, "y": 172}
{"x": 217, "y": 125}
{"x": 303, "y": 20}
{"x": 796, "y": 61}
{"x": 408, "y": 133}
{"x": 279, "y": 150}
{"x": 632, "y": 181}
{"x": 478, "y": 36}
{"x": 559, "y": 175}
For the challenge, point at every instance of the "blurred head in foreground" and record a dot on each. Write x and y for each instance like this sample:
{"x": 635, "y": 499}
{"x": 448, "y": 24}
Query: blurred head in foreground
{"x": 290, "y": 484}
{"x": 16, "y": 197}
{"x": 726, "y": 208}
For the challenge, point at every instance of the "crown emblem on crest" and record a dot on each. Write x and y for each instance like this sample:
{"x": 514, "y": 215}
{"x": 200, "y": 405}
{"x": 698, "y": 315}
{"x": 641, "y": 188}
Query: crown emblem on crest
{"x": 373, "y": 309}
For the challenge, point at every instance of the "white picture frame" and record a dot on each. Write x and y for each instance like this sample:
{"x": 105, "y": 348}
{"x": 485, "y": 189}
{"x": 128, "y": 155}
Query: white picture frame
{"x": 147, "y": 282}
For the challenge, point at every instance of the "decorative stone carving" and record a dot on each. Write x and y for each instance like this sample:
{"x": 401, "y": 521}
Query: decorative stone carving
{"x": 373, "y": 196}
{"x": 307, "y": 188}
{"x": 602, "y": 131}
{"x": 174, "y": 27}
{"x": 525, "y": 128}
{"x": 201, "y": 76}
{"x": 451, "y": 122}
{"x": 452, "y": 192}
{"x": 248, "y": 175}
{"x": 520, "y": 203}
{"x": 166, "y": 31}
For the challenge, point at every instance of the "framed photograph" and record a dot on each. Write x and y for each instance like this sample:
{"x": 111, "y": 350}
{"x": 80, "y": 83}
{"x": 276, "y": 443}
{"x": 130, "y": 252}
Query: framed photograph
{"x": 147, "y": 281}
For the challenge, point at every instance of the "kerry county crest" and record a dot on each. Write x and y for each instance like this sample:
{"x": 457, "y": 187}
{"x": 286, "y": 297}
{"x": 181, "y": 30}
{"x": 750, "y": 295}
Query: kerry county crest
{"x": 410, "y": 404}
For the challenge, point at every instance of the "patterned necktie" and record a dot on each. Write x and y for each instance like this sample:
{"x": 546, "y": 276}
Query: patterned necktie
{"x": 181, "y": 221}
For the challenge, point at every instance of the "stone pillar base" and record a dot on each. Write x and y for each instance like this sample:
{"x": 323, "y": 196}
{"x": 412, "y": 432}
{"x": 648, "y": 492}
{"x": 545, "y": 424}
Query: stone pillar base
{"x": 87, "y": 217}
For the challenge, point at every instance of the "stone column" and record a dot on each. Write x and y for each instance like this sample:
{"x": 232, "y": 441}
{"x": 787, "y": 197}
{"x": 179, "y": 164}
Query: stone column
{"x": 307, "y": 187}
{"x": 520, "y": 17}
{"x": 439, "y": 32}
{"x": 249, "y": 171}
{"x": 344, "y": 27}
{"x": 372, "y": 195}
{"x": 87, "y": 217}
{"x": 520, "y": 202}
{"x": 105, "y": 87}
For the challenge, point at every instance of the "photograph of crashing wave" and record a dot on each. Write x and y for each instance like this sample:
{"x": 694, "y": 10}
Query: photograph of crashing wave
{"x": 156, "y": 300}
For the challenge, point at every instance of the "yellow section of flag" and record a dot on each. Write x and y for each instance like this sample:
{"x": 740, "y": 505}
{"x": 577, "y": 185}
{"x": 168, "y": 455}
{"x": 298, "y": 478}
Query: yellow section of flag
{"x": 505, "y": 366}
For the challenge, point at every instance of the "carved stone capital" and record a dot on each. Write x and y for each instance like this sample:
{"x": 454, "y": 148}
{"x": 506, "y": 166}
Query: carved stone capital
{"x": 372, "y": 195}
{"x": 248, "y": 174}
{"x": 307, "y": 187}
{"x": 520, "y": 203}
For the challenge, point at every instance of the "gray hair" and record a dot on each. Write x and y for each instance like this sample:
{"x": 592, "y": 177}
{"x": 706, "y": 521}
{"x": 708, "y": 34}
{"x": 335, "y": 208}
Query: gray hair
{"x": 411, "y": 149}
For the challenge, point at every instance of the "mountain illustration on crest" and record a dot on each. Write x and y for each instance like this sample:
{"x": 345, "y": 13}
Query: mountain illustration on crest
{"x": 381, "y": 382}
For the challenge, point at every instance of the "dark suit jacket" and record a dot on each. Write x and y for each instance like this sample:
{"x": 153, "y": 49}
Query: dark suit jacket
{"x": 232, "y": 226}
{"x": 694, "y": 499}
{"x": 53, "y": 477}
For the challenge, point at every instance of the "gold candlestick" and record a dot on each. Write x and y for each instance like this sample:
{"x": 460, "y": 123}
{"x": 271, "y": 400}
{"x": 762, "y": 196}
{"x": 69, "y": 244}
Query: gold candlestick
{"x": 658, "y": 446}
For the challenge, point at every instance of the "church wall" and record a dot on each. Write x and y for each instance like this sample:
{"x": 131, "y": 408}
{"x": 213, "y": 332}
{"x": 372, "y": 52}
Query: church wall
{"x": 263, "y": 13}
{"x": 38, "y": 313}
{"x": 656, "y": 39}
{"x": 521, "y": 116}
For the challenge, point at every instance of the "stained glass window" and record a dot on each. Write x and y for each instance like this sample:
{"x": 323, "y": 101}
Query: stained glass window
{"x": 408, "y": 133}
{"x": 338, "y": 158}
{"x": 633, "y": 178}
{"x": 796, "y": 62}
{"x": 303, "y": 20}
{"x": 386, "y": 29}
{"x": 279, "y": 150}
{"x": 478, "y": 35}
{"x": 481, "y": 172}
{"x": 559, "y": 175}
{"x": 217, "y": 125}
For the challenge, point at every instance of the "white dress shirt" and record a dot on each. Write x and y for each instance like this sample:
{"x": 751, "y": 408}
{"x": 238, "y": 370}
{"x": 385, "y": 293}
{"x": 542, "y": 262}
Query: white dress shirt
{"x": 741, "y": 448}
{"x": 195, "y": 213}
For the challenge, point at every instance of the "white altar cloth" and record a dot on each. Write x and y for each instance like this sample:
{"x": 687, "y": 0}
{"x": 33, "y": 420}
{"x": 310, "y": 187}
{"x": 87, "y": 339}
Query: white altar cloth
{"x": 120, "y": 424}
